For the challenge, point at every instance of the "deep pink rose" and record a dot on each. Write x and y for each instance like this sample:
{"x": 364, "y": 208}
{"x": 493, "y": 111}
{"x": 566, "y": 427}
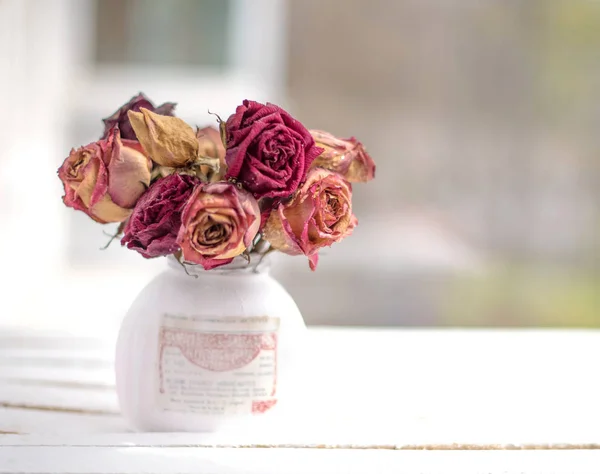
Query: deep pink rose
{"x": 268, "y": 151}
{"x": 319, "y": 215}
{"x": 154, "y": 224}
{"x": 121, "y": 119}
{"x": 218, "y": 223}
{"x": 106, "y": 178}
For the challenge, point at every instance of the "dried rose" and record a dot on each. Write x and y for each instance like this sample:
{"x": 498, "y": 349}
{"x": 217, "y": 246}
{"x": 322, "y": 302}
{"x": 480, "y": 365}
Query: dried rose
{"x": 268, "y": 151}
{"x": 106, "y": 178}
{"x": 212, "y": 151}
{"x": 209, "y": 166}
{"x": 210, "y": 144}
{"x": 318, "y": 215}
{"x": 346, "y": 156}
{"x": 218, "y": 223}
{"x": 169, "y": 141}
{"x": 154, "y": 224}
{"x": 121, "y": 119}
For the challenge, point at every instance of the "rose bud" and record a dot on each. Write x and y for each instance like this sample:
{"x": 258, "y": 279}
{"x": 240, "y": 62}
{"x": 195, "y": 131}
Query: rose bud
{"x": 210, "y": 144}
{"x": 121, "y": 119}
{"x": 106, "y": 178}
{"x": 154, "y": 223}
{"x": 346, "y": 156}
{"x": 218, "y": 223}
{"x": 268, "y": 151}
{"x": 211, "y": 152}
{"x": 169, "y": 141}
{"x": 318, "y": 215}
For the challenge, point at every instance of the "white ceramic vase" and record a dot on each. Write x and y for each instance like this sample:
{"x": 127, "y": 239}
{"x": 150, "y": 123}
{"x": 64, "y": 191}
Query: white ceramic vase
{"x": 200, "y": 351}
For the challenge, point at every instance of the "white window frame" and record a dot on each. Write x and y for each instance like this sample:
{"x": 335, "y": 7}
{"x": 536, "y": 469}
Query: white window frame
{"x": 256, "y": 55}
{"x": 48, "y": 76}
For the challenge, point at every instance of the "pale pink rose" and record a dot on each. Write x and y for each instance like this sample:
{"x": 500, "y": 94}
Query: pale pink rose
{"x": 346, "y": 156}
{"x": 318, "y": 215}
{"x": 106, "y": 178}
{"x": 218, "y": 223}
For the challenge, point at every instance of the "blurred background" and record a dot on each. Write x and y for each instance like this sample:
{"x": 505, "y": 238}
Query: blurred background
{"x": 483, "y": 117}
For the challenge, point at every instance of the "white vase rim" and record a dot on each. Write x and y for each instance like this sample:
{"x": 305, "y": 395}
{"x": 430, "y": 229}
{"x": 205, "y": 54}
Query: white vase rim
{"x": 258, "y": 264}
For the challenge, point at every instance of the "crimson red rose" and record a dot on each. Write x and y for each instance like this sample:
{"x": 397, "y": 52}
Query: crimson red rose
{"x": 154, "y": 224}
{"x": 121, "y": 119}
{"x": 268, "y": 151}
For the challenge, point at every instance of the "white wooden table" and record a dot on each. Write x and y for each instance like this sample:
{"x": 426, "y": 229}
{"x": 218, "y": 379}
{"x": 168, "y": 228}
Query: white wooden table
{"x": 384, "y": 400}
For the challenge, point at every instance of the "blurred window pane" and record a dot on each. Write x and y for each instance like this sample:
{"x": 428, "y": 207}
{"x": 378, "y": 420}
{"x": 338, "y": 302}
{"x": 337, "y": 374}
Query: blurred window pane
{"x": 162, "y": 33}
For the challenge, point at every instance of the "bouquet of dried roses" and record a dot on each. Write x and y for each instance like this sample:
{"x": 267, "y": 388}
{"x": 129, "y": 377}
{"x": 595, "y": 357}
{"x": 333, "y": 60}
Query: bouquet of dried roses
{"x": 260, "y": 182}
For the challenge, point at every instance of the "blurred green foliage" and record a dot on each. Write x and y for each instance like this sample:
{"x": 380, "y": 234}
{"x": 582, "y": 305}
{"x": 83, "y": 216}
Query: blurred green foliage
{"x": 566, "y": 39}
{"x": 521, "y": 295}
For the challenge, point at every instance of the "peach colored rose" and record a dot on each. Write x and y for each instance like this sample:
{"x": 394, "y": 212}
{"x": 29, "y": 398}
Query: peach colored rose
{"x": 219, "y": 222}
{"x": 318, "y": 215}
{"x": 106, "y": 178}
{"x": 346, "y": 156}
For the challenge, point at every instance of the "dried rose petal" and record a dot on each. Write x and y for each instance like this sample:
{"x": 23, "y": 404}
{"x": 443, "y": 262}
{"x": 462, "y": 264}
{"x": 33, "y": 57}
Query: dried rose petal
{"x": 169, "y": 141}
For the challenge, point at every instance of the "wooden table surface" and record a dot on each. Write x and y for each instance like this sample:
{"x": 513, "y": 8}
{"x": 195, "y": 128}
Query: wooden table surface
{"x": 378, "y": 400}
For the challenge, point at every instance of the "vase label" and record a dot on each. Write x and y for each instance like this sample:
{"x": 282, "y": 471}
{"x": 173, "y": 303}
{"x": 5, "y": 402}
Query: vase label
{"x": 217, "y": 365}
